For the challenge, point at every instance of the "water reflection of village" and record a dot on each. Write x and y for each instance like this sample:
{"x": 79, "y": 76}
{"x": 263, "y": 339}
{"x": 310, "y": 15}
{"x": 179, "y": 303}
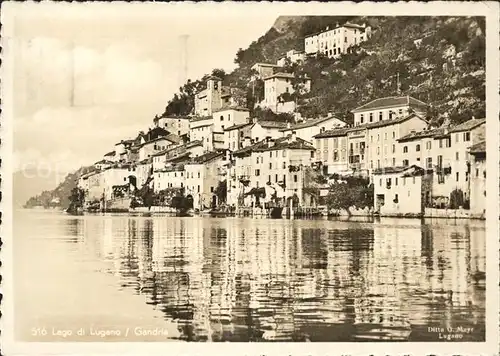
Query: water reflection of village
{"x": 258, "y": 279}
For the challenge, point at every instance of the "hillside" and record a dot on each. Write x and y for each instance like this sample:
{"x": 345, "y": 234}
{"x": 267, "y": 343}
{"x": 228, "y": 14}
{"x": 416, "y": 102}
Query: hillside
{"x": 61, "y": 192}
{"x": 446, "y": 70}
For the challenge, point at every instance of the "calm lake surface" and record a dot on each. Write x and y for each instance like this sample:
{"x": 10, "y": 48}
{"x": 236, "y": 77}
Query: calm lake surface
{"x": 244, "y": 279}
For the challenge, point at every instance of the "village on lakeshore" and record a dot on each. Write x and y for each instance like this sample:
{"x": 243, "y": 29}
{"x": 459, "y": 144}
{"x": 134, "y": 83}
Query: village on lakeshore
{"x": 221, "y": 159}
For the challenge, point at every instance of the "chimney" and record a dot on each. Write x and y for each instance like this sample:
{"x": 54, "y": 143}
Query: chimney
{"x": 288, "y": 125}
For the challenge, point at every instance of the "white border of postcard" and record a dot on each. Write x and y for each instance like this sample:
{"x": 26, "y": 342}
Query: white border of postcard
{"x": 488, "y": 9}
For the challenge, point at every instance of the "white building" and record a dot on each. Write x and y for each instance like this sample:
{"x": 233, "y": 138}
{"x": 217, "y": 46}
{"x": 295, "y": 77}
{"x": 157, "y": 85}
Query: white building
{"x": 336, "y": 41}
{"x": 263, "y": 70}
{"x": 293, "y": 56}
{"x": 169, "y": 177}
{"x": 388, "y": 108}
{"x": 234, "y": 136}
{"x": 306, "y": 130}
{"x": 401, "y": 190}
{"x": 262, "y": 129}
{"x": 227, "y": 117}
{"x": 202, "y": 176}
{"x": 478, "y": 179}
{"x": 279, "y": 87}
{"x": 178, "y": 125}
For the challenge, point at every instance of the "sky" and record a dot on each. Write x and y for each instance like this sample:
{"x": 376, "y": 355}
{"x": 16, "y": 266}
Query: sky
{"x": 86, "y": 77}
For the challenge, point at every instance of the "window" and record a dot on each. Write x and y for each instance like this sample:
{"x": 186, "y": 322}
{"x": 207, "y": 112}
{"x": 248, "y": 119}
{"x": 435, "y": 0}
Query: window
{"x": 484, "y": 174}
{"x": 388, "y": 183}
{"x": 198, "y": 174}
{"x": 345, "y": 39}
{"x": 466, "y": 136}
{"x": 371, "y": 138}
{"x": 198, "y": 188}
{"x": 393, "y": 148}
{"x": 406, "y": 163}
{"x": 404, "y": 180}
{"x": 312, "y": 154}
{"x": 270, "y": 165}
{"x": 257, "y": 172}
{"x": 221, "y": 118}
{"x": 393, "y": 134}
{"x": 371, "y": 117}
{"x": 477, "y": 172}
{"x": 270, "y": 154}
{"x": 405, "y": 149}
{"x": 396, "y": 199}
{"x": 428, "y": 145}
{"x": 380, "y": 116}
{"x": 385, "y": 136}
{"x": 418, "y": 159}
{"x": 457, "y": 156}
{"x": 335, "y": 156}
{"x": 418, "y": 148}
{"x": 440, "y": 143}
{"x": 378, "y": 163}
{"x": 396, "y": 182}
{"x": 457, "y": 176}
{"x": 222, "y": 126}
{"x": 390, "y": 115}
{"x": 371, "y": 164}
{"x": 284, "y": 165}
{"x": 257, "y": 160}
{"x": 295, "y": 178}
{"x": 456, "y": 137}
{"x": 378, "y": 150}
{"x": 269, "y": 178}
{"x": 429, "y": 162}
{"x": 378, "y": 137}
{"x": 413, "y": 182}
{"x": 361, "y": 118}
{"x": 400, "y": 112}
{"x": 393, "y": 161}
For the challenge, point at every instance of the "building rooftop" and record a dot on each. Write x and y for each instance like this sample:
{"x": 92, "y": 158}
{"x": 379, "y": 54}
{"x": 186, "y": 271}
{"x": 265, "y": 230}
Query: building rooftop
{"x": 404, "y": 170}
{"x": 200, "y": 118}
{"x": 468, "y": 125}
{"x": 347, "y": 24}
{"x": 265, "y": 65}
{"x": 390, "y": 101}
{"x": 236, "y": 127}
{"x": 104, "y": 161}
{"x": 112, "y": 153}
{"x": 272, "y": 124}
{"x": 479, "y": 147}
{"x": 235, "y": 108}
{"x": 423, "y": 134}
{"x": 207, "y": 157}
{"x": 309, "y": 123}
{"x": 333, "y": 133}
{"x": 298, "y": 144}
{"x": 280, "y": 75}
{"x": 383, "y": 123}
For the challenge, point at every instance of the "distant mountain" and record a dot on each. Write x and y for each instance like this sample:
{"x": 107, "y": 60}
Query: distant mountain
{"x": 58, "y": 196}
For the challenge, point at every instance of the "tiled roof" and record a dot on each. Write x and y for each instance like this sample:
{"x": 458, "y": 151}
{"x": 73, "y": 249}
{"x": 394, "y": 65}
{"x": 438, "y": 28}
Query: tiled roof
{"x": 173, "y": 138}
{"x": 235, "y": 127}
{"x": 200, "y": 118}
{"x": 397, "y": 169}
{"x": 235, "y": 108}
{"x": 266, "y": 65}
{"x": 272, "y": 124}
{"x": 207, "y": 157}
{"x": 250, "y": 148}
{"x": 479, "y": 147}
{"x": 296, "y": 145}
{"x": 423, "y": 134}
{"x": 468, "y": 125}
{"x": 104, "y": 161}
{"x": 309, "y": 123}
{"x": 374, "y": 125}
{"x": 112, "y": 153}
{"x": 280, "y": 75}
{"x": 333, "y": 133}
{"x": 194, "y": 143}
{"x": 390, "y": 101}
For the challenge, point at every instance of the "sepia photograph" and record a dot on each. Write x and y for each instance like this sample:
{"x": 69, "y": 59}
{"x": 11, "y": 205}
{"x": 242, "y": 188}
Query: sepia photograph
{"x": 250, "y": 173}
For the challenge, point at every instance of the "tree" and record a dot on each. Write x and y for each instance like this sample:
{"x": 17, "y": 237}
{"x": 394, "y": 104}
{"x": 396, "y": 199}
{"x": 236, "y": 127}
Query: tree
{"x": 76, "y": 200}
{"x": 354, "y": 192}
{"x": 221, "y": 191}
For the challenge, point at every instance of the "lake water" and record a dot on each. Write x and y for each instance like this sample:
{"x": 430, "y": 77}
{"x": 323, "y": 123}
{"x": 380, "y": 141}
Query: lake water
{"x": 124, "y": 278}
